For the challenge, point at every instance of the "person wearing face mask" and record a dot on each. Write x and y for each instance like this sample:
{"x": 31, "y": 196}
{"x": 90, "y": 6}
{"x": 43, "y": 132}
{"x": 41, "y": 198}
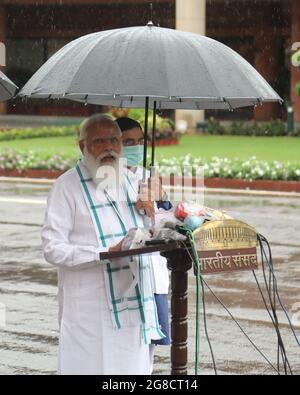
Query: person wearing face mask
{"x": 133, "y": 150}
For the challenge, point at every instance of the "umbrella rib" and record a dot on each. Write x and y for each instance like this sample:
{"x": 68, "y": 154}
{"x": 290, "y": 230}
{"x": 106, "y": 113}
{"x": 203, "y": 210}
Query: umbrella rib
{"x": 230, "y": 108}
{"x": 42, "y": 76}
{"x": 111, "y": 32}
{"x": 237, "y": 57}
{"x": 6, "y": 81}
{"x": 9, "y": 92}
{"x": 165, "y": 62}
{"x": 80, "y": 65}
{"x": 202, "y": 60}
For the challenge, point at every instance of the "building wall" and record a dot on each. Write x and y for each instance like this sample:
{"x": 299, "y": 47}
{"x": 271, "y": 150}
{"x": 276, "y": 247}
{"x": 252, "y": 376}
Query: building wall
{"x": 261, "y": 31}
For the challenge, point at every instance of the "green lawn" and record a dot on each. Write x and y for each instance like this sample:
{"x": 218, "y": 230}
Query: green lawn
{"x": 44, "y": 146}
{"x": 265, "y": 148}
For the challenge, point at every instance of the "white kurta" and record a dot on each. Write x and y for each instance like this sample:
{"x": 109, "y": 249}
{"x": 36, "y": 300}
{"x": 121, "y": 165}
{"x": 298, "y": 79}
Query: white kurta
{"x": 88, "y": 342}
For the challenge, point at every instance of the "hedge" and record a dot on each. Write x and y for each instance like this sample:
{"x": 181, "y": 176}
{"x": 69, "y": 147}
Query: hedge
{"x": 241, "y": 128}
{"x": 46, "y": 131}
{"x": 273, "y": 128}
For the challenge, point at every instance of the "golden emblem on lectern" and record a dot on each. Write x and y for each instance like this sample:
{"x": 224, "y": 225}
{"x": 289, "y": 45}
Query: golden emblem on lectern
{"x": 226, "y": 245}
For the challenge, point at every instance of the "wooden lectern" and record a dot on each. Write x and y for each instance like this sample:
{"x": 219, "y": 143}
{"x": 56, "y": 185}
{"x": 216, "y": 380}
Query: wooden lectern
{"x": 223, "y": 246}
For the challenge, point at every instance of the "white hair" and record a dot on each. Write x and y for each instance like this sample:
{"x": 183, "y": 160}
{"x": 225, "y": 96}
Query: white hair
{"x": 96, "y": 119}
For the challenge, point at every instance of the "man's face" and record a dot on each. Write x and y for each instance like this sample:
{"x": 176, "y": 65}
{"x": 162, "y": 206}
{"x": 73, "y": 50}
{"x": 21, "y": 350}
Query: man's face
{"x": 133, "y": 137}
{"x": 102, "y": 139}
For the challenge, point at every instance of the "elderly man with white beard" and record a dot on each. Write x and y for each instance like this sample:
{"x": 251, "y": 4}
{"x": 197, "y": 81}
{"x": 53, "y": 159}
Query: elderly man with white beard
{"x": 107, "y": 311}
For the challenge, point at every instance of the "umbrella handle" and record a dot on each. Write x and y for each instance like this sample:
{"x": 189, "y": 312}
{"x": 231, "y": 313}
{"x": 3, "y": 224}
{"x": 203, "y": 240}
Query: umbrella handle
{"x": 152, "y": 171}
{"x": 145, "y": 139}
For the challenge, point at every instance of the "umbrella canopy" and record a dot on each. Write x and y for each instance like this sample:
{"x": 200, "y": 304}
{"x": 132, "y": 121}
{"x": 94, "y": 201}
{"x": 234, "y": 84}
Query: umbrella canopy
{"x": 174, "y": 69}
{"x": 7, "y": 88}
{"x": 150, "y": 67}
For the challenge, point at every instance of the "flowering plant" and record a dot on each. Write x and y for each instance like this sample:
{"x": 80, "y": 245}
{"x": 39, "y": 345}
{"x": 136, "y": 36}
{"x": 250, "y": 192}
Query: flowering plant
{"x": 250, "y": 169}
{"x": 188, "y": 165}
{"x": 10, "y": 159}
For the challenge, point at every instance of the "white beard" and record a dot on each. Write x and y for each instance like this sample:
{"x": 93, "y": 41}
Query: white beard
{"x": 107, "y": 176}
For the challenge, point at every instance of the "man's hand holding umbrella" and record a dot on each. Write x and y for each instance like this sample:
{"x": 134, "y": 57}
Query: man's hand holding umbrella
{"x": 149, "y": 193}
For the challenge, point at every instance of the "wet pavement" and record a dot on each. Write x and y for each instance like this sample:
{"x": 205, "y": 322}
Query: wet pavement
{"x": 28, "y": 304}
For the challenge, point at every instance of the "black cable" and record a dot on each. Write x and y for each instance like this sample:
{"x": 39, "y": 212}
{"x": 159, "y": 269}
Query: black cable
{"x": 285, "y": 361}
{"x": 204, "y": 316}
{"x": 240, "y": 327}
{"x": 269, "y": 260}
{"x": 280, "y": 344}
{"x": 272, "y": 319}
{"x": 275, "y": 323}
{"x": 277, "y": 293}
{"x": 269, "y": 313}
{"x": 272, "y": 291}
{"x": 230, "y": 314}
{"x": 206, "y": 330}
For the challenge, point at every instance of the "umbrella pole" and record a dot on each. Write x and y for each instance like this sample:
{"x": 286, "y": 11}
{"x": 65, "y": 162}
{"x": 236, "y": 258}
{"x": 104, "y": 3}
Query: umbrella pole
{"x": 145, "y": 139}
{"x": 153, "y": 139}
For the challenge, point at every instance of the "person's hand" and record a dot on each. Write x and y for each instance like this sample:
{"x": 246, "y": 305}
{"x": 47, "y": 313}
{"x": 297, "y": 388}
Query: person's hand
{"x": 117, "y": 247}
{"x": 144, "y": 201}
{"x": 148, "y": 194}
{"x": 147, "y": 206}
{"x": 152, "y": 191}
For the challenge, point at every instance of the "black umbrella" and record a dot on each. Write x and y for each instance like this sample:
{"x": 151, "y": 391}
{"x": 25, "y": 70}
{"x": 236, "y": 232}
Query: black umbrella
{"x": 7, "y": 88}
{"x": 150, "y": 67}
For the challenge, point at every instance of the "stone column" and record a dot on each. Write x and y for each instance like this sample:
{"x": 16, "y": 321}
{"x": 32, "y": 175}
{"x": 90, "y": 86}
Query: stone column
{"x": 2, "y": 52}
{"x": 295, "y": 72}
{"x": 191, "y": 17}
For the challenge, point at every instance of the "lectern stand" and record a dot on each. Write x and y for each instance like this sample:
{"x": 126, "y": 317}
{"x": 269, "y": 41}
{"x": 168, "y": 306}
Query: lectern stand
{"x": 179, "y": 263}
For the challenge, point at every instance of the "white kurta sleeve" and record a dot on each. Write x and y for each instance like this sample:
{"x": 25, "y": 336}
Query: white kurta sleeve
{"x": 58, "y": 225}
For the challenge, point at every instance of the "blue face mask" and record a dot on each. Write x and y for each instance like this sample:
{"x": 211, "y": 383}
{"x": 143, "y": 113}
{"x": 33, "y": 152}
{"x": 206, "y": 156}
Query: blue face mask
{"x": 134, "y": 154}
